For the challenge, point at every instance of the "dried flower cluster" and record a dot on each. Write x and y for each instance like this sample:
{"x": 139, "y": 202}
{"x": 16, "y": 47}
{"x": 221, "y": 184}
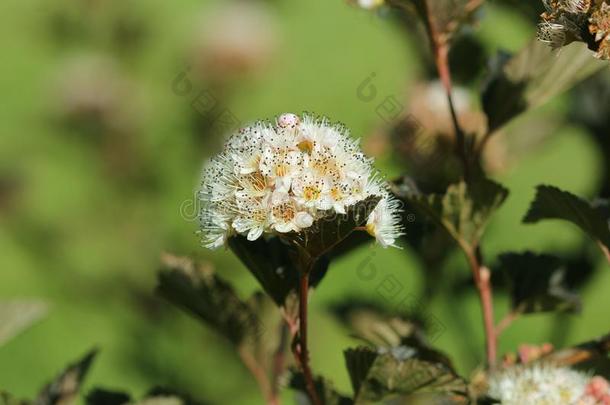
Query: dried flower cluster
{"x": 566, "y": 21}
{"x": 543, "y": 384}
{"x": 282, "y": 177}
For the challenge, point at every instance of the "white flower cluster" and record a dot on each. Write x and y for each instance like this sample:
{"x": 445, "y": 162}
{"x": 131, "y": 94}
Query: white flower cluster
{"x": 543, "y": 384}
{"x": 565, "y": 21}
{"x": 279, "y": 178}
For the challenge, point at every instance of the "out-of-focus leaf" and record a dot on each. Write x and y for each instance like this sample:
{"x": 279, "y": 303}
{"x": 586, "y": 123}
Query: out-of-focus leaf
{"x": 383, "y": 328}
{"x": 401, "y": 371}
{"x": 64, "y": 389}
{"x": 271, "y": 263}
{"x": 16, "y": 316}
{"x": 553, "y": 203}
{"x": 537, "y": 283}
{"x": 464, "y": 210}
{"x": 198, "y": 290}
{"x": 326, "y": 392}
{"x": 100, "y": 396}
{"x": 532, "y": 77}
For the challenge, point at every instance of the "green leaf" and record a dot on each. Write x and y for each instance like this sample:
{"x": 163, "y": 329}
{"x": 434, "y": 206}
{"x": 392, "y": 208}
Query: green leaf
{"x": 536, "y": 283}
{"x": 18, "y": 315}
{"x": 63, "y": 390}
{"x": 401, "y": 371}
{"x": 326, "y": 392}
{"x": 464, "y": 210}
{"x": 198, "y": 290}
{"x": 532, "y": 77}
{"x": 553, "y": 203}
{"x": 380, "y": 327}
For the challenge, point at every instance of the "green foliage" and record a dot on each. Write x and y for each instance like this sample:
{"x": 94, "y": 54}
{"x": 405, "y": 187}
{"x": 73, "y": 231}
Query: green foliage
{"x": 553, "y": 203}
{"x": 537, "y": 283}
{"x": 532, "y": 77}
{"x": 401, "y": 371}
{"x": 326, "y": 392}
{"x": 199, "y": 291}
{"x": 464, "y": 210}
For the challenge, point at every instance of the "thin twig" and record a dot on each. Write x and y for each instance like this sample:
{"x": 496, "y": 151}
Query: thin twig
{"x": 482, "y": 280}
{"x": 442, "y": 65}
{"x": 259, "y": 374}
{"x": 506, "y": 322}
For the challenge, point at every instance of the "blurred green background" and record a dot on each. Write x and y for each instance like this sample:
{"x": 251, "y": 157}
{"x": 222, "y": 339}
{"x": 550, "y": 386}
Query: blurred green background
{"x": 100, "y": 157}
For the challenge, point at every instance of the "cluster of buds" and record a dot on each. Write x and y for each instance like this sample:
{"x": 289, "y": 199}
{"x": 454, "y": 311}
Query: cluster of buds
{"x": 566, "y": 21}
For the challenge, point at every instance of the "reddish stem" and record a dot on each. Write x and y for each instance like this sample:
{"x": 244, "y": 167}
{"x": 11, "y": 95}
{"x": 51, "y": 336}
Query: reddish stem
{"x": 485, "y": 295}
{"x": 303, "y": 352}
{"x": 506, "y": 322}
{"x": 259, "y": 375}
{"x": 482, "y": 278}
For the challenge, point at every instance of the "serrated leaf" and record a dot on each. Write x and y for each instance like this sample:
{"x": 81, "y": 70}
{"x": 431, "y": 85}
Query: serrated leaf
{"x": 326, "y": 392}
{"x": 400, "y": 371}
{"x": 464, "y": 210}
{"x": 552, "y": 203}
{"x": 198, "y": 290}
{"x": 537, "y": 283}
{"x": 330, "y": 230}
{"x": 532, "y": 77}
{"x": 64, "y": 389}
{"x": 18, "y": 315}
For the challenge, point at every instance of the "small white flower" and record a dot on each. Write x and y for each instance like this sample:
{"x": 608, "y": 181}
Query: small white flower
{"x": 385, "y": 222}
{"x": 539, "y": 384}
{"x": 280, "y": 178}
